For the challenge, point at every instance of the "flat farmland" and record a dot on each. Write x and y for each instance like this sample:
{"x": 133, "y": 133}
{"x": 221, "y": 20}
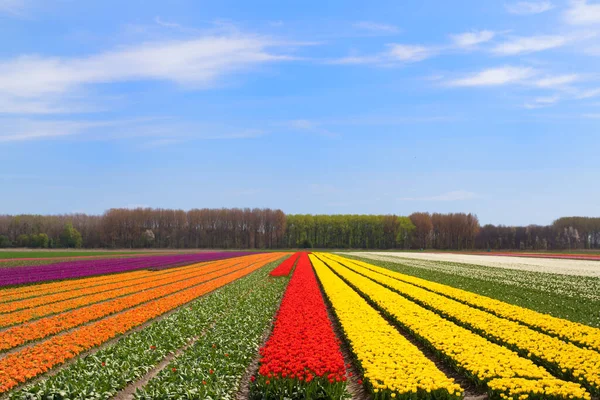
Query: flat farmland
{"x": 301, "y": 325}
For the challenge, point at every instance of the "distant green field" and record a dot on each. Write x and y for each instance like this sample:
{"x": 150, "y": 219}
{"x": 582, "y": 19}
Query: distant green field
{"x": 60, "y": 254}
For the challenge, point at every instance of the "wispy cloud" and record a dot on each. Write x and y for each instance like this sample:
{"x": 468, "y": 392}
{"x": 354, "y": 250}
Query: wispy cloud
{"x": 13, "y": 7}
{"x": 26, "y": 129}
{"x": 196, "y": 64}
{"x": 357, "y": 60}
{"x": 410, "y": 53}
{"x": 396, "y": 54}
{"x": 529, "y": 7}
{"x": 582, "y": 13}
{"x": 457, "y": 195}
{"x": 155, "y": 131}
{"x": 166, "y": 24}
{"x": 588, "y": 93}
{"x": 542, "y": 102}
{"x": 377, "y": 27}
{"x": 305, "y": 125}
{"x": 16, "y": 105}
{"x": 556, "y": 81}
{"x": 523, "y": 45}
{"x": 470, "y": 39}
{"x": 495, "y": 77}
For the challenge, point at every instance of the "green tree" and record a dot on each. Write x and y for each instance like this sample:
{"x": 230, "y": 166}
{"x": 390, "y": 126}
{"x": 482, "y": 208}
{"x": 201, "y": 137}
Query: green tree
{"x": 406, "y": 230}
{"x": 70, "y": 237}
{"x": 40, "y": 240}
{"x": 23, "y": 240}
{"x": 5, "y": 242}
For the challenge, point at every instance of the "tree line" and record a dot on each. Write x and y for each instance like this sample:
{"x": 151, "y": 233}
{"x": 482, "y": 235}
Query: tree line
{"x": 264, "y": 228}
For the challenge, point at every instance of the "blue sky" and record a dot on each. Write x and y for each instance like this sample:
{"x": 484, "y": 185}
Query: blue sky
{"x": 489, "y": 107}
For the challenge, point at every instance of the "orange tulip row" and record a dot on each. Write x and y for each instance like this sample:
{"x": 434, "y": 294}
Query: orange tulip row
{"x": 25, "y": 364}
{"x": 45, "y": 327}
{"x": 105, "y": 288}
{"x": 25, "y": 315}
{"x": 25, "y": 292}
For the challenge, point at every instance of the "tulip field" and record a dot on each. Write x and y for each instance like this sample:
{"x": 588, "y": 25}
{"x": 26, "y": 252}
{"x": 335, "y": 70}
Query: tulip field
{"x": 294, "y": 325}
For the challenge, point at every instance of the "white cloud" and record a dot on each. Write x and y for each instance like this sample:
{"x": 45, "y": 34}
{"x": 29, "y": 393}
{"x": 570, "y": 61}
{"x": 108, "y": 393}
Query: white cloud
{"x": 556, "y": 81}
{"x": 12, "y": 105}
{"x": 377, "y": 27}
{"x": 13, "y": 7}
{"x": 470, "y": 39}
{"x": 529, "y": 44}
{"x": 529, "y": 7}
{"x": 495, "y": 77}
{"x": 589, "y": 93}
{"x": 397, "y": 53}
{"x": 308, "y": 126}
{"x": 166, "y": 24}
{"x": 457, "y": 195}
{"x": 410, "y": 53}
{"x": 541, "y": 102}
{"x": 25, "y": 129}
{"x": 195, "y": 63}
{"x": 156, "y": 131}
{"x": 582, "y": 13}
{"x": 357, "y": 60}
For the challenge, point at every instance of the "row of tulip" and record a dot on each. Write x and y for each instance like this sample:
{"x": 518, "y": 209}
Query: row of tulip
{"x": 113, "y": 367}
{"x": 52, "y": 325}
{"x": 577, "y": 333}
{"x": 117, "y": 281}
{"x": 391, "y": 366}
{"x": 302, "y": 357}
{"x": 45, "y": 289}
{"x": 563, "y": 359}
{"x": 506, "y": 374}
{"x": 286, "y": 266}
{"x": 24, "y": 364}
{"x": 117, "y": 295}
{"x": 39, "y": 308}
{"x": 82, "y": 268}
{"x": 215, "y": 366}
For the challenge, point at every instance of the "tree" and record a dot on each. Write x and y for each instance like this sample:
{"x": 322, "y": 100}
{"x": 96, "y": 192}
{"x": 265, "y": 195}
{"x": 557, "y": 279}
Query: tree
{"x": 23, "y": 240}
{"x": 5, "y": 242}
{"x": 406, "y": 230}
{"x": 41, "y": 240}
{"x": 424, "y": 228}
{"x": 148, "y": 238}
{"x": 70, "y": 237}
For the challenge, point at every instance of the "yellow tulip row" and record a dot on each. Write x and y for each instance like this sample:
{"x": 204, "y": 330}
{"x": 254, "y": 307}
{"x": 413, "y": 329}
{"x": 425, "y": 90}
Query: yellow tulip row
{"x": 568, "y": 330}
{"x": 392, "y": 366}
{"x": 503, "y": 371}
{"x": 569, "y": 361}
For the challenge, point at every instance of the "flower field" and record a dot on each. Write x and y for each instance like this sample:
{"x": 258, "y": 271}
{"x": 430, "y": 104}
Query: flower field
{"x": 82, "y": 268}
{"x": 268, "y": 326}
{"x": 302, "y": 356}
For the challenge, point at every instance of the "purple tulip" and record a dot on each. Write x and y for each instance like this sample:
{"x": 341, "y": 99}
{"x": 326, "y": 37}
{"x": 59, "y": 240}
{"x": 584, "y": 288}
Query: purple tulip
{"x": 84, "y": 268}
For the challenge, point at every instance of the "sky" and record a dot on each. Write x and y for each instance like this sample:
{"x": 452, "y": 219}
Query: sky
{"x": 489, "y": 107}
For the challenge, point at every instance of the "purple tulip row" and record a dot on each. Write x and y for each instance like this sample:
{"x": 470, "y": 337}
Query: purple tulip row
{"x": 83, "y": 268}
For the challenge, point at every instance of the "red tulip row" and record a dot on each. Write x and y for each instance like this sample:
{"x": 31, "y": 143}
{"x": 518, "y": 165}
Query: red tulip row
{"x": 303, "y": 353}
{"x": 285, "y": 267}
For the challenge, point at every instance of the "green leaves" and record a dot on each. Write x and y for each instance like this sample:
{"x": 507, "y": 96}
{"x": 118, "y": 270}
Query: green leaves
{"x": 102, "y": 374}
{"x": 212, "y": 368}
